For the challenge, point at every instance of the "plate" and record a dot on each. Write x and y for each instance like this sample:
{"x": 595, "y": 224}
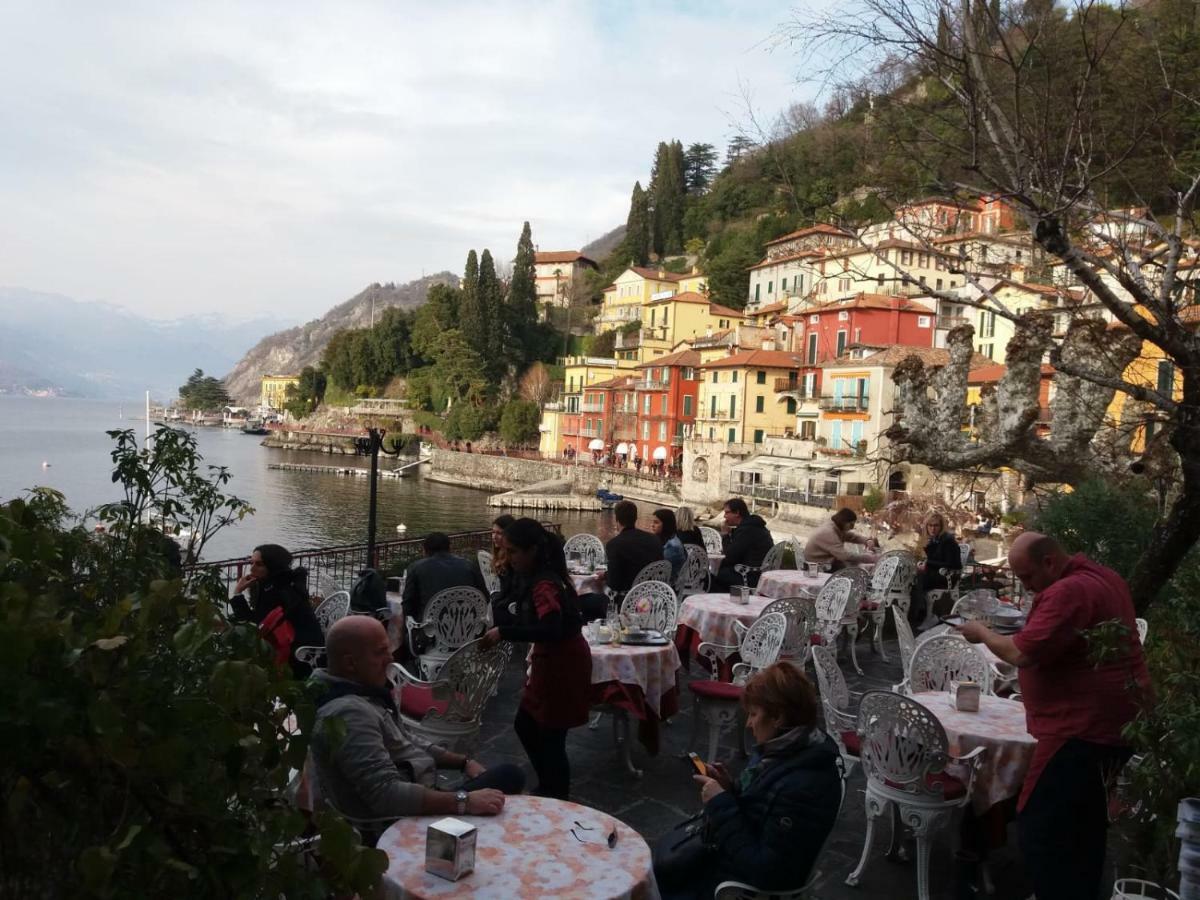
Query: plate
{"x": 1008, "y": 629}
{"x": 645, "y": 639}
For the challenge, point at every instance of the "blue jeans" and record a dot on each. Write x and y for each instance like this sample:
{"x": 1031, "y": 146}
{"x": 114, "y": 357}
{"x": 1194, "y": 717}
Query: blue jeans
{"x": 508, "y": 778}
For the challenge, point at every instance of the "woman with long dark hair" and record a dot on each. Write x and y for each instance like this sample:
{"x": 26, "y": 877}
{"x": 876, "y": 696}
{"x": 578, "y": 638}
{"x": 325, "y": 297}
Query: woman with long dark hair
{"x": 547, "y": 614}
{"x": 663, "y": 526}
{"x": 278, "y": 604}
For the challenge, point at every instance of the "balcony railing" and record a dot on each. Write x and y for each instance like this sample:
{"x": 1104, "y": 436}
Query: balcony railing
{"x": 721, "y": 415}
{"x": 649, "y": 385}
{"x": 845, "y": 404}
{"x": 948, "y": 322}
{"x": 786, "y": 495}
{"x": 592, "y": 407}
{"x": 628, "y": 340}
{"x": 788, "y": 386}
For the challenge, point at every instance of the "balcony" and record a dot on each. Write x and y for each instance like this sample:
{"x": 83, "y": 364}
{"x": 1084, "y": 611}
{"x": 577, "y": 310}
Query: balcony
{"x": 788, "y": 386}
{"x": 721, "y": 415}
{"x": 592, "y": 407}
{"x": 845, "y": 404}
{"x": 650, "y": 385}
{"x": 569, "y": 430}
{"x": 630, "y": 340}
{"x": 948, "y": 322}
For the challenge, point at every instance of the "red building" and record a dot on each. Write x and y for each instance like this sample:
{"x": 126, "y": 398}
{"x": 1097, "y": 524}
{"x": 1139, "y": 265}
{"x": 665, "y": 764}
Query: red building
{"x": 666, "y": 399}
{"x": 607, "y": 414}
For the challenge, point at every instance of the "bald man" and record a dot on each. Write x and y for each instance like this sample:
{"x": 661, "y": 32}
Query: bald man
{"x": 1075, "y": 708}
{"x": 367, "y": 767}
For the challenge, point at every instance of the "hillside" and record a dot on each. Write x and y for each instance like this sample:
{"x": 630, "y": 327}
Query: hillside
{"x": 289, "y": 351}
{"x": 605, "y": 244}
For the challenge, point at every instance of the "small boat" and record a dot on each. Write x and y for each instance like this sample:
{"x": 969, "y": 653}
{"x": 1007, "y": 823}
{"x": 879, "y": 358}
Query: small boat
{"x": 255, "y": 426}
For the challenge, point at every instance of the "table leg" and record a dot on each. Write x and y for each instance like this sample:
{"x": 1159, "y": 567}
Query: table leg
{"x": 622, "y": 737}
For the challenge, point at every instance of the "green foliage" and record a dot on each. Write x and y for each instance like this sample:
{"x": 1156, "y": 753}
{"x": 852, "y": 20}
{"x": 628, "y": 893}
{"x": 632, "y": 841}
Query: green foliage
{"x": 873, "y": 500}
{"x": 492, "y": 347}
{"x": 1111, "y": 523}
{"x": 699, "y": 167}
{"x": 305, "y": 396}
{"x": 636, "y": 245}
{"x": 679, "y": 265}
{"x": 146, "y": 746}
{"x": 467, "y": 421}
{"x": 203, "y": 393}
{"x": 404, "y": 444}
{"x": 603, "y": 345}
{"x": 519, "y": 422}
{"x": 668, "y": 193}
{"x": 368, "y": 358}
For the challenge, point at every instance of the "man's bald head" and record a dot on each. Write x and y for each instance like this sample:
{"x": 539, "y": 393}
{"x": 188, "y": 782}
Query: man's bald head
{"x": 1037, "y": 560}
{"x": 356, "y": 648}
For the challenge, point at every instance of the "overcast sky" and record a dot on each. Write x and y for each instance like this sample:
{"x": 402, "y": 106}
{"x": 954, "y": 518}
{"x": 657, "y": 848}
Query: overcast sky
{"x": 247, "y": 158}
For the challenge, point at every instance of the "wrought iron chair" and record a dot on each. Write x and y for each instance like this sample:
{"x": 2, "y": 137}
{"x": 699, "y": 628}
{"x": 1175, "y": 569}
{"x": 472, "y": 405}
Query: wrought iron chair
{"x": 891, "y": 586}
{"x": 589, "y": 547}
{"x": 840, "y": 720}
{"x": 448, "y": 709}
{"x": 836, "y": 596}
{"x": 490, "y": 579}
{"x": 332, "y": 608}
{"x": 773, "y": 559}
{"x": 655, "y": 571}
{"x": 651, "y": 604}
{"x": 855, "y": 583}
{"x": 452, "y": 618}
{"x": 905, "y": 755}
{"x": 712, "y": 540}
{"x": 693, "y": 574}
{"x": 904, "y": 637}
{"x": 943, "y": 658}
{"x": 719, "y": 702}
{"x": 327, "y": 585}
{"x": 1143, "y": 630}
{"x": 801, "y": 614}
{"x": 311, "y": 656}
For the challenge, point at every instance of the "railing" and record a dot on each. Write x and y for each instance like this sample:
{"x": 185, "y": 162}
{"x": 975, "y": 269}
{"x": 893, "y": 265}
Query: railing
{"x": 785, "y": 495}
{"x": 949, "y": 322}
{"x": 845, "y": 404}
{"x": 721, "y": 415}
{"x": 788, "y": 386}
{"x": 592, "y": 407}
{"x": 649, "y": 385}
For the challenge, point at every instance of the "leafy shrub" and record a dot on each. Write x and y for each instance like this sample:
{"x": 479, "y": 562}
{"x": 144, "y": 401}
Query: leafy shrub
{"x": 519, "y": 422}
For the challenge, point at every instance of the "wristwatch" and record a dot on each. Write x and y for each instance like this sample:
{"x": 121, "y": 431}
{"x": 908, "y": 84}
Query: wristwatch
{"x": 461, "y": 797}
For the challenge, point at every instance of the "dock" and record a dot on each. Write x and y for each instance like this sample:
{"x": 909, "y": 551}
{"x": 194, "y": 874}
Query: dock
{"x": 512, "y": 500}
{"x": 356, "y": 471}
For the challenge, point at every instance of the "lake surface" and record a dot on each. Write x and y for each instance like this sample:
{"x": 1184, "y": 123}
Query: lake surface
{"x": 296, "y": 509}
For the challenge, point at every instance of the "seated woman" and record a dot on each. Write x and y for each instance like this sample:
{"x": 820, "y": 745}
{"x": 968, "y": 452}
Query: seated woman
{"x": 767, "y": 827}
{"x": 663, "y": 526}
{"x": 278, "y": 604}
{"x": 941, "y": 554}
{"x": 688, "y": 531}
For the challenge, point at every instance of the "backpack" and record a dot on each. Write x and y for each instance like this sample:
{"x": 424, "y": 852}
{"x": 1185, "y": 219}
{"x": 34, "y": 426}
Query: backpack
{"x": 369, "y": 593}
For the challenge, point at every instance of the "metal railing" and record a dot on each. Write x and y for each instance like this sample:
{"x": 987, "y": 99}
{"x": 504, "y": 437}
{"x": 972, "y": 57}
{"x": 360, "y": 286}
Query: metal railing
{"x": 949, "y": 322}
{"x": 846, "y": 404}
{"x": 785, "y": 495}
{"x": 649, "y": 385}
{"x": 789, "y": 386}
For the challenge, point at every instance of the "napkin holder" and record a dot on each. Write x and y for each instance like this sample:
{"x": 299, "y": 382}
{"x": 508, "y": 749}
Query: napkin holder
{"x": 450, "y": 848}
{"x": 965, "y": 695}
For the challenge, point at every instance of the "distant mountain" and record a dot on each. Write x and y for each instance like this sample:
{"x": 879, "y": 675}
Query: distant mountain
{"x": 605, "y": 244}
{"x": 287, "y": 352}
{"x": 51, "y": 344}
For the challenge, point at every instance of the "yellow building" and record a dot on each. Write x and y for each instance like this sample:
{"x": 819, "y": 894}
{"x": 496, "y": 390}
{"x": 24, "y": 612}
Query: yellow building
{"x": 274, "y": 390}
{"x": 1152, "y": 369}
{"x": 550, "y": 430}
{"x": 668, "y": 321}
{"x": 637, "y": 286}
{"x": 737, "y": 397}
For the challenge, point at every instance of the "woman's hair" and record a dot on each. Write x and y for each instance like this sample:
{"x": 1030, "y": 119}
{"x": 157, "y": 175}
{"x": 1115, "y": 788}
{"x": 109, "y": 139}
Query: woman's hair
{"x": 685, "y": 520}
{"x": 528, "y": 534}
{"x": 937, "y": 517}
{"x": 277, "y": 559}
{"x": 667, "y": 518}
{"x": 783, "y": 692}
{"x": 503, "y": 521}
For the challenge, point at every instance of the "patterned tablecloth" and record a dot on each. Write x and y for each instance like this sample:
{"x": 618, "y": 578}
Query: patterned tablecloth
{"x": 1000, "y": 727}
{"x": 712, "y": 616}
{"x": 587, "y": 583}
{"x": 527, "y": 851}
{"x": 650, "y": 668}
{"x": 780, "y": 583}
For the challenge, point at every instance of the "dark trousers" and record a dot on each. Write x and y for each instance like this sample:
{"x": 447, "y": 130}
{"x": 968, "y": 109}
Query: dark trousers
{"x": 506, "y": 777}
{"x": 547, "y": 751}
{"x": 593, "y": 606}
{"x": 1064, "y": 824}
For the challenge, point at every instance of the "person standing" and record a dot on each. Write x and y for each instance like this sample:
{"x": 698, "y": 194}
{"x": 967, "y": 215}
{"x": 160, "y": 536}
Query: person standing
{"x": 1076, "y": 709}
{"x": 746, "y": 542}
{"x": 663, "y": 526}
{"x": 278, "y": 605}
{"x": 827, "y": 545}
{"x": 558, "y": 687}
{"x": 631, "y": 550}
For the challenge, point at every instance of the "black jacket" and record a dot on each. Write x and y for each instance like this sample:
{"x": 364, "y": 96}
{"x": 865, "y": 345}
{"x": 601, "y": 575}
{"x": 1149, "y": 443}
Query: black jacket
{"x": 286, "y": 591}
{"x": 628, "y": 553}
{"x": 748, "y": 543}
{"x": 431, "y": 574}
{"x": 691, "y": 537}
{"x": 940, "y": 553}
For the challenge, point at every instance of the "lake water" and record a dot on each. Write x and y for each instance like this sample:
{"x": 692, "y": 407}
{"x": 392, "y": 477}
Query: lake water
{"x": 296, "y": 509}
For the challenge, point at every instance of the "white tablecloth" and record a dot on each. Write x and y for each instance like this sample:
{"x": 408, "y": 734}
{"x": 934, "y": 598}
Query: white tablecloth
{"x": 586, "y": 583}
{"x": 526, "y": 851}
{"x": 650, "y": 668}
{"x": 780, "y": 583}
{"x": 712, "y": 616}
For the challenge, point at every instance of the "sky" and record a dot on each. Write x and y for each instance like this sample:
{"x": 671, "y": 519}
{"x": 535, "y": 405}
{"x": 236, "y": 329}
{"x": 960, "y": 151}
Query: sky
{"x": 253, "y": 158}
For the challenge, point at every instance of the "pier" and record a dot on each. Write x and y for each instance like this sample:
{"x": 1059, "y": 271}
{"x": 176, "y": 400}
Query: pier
{"x": 338, "y": 470}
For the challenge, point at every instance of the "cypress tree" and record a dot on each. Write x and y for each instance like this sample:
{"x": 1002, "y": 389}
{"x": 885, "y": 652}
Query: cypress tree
{"x": 472, "y": 319}
{"x": 491, "y": 306}
{"x": 522, "y": 289}
{"x": 658, "y": 202}
{"x": 637, "y": 226}
{"x": 667, "y": 192}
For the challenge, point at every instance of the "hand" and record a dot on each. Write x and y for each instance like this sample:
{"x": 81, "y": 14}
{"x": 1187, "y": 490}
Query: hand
{"x": 600, "y": 577}
{"x": 474, "y": 769}
{"x": 485, "y": 802}
{"x": 974, "y": 632}
{"x": 720, "y": 774}
{"x": 709, "y": 787}
{"x": 491, "y": 637}
{"x": 244, "y": 582}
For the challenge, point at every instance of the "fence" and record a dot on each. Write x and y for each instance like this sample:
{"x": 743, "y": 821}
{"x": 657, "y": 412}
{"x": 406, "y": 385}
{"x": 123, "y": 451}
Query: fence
{"x": 784, "y": 495}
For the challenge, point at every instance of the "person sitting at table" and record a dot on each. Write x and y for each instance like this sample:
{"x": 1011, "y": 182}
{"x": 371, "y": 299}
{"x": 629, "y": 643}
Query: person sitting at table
{"x": 278, "y": 604}
{"x": 557, "y": 690}
{"x": 663, "y": 526}
{"x": 685, "y": 527}
{"x": 767, "y": 827}
{"x": 631, "y": 550}
{"x": 745, "y": 542}
{"x": 438, "y": 570}
{"x": 827, "y": 545}
{"x": 941, "y": 555}
{"x": 368, "y": 767}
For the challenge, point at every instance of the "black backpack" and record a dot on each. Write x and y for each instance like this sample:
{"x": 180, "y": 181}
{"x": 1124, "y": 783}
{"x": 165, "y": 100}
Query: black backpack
{"x": 369, "y": 593}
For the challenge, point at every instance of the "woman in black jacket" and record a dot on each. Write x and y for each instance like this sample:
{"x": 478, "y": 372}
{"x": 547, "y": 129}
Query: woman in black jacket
{"x": 941, "y": 553}
{"x": 767, "y": 827}
{"x": 274, "y": 585}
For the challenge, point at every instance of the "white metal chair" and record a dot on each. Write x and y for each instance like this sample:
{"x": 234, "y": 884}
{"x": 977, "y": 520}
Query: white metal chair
{"x": 834, "y": 598}
{"x": 719, "y": 702}
{"x": 490, "y": 579}
{"x": 1143, "y": 630}
{"x": 655, "y": 571}
{"x": 452, "y": 618}
{"x": 327, "y": 585}
{"x": 801, "y": 615}
{"x": 332, "y": 608}
{"x": 589, "y": 547}
{"x": 448, "y": 709}
{"x": 712, "y": 540}
{"x": 904, "y": 638}
{"x": 773, "y": 559}
{"x": 311, "y": 656}
{"x": 651, "y": 604}
{"x": 880, "y": 596}
{"x": 938, "y": 660}
{"x": 854, "y": 582}
{"x": 905, "y": 755}
{"x": 840, "y": 719}
{"x": 693, "y": 574}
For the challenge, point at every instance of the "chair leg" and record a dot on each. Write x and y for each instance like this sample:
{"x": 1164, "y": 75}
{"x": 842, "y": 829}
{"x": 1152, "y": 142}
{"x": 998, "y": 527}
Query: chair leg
{"x": 622, "y": 717}
{"x": 877, "y": 618}
{"x": 874, "y": 809}
{"x": 852, "y": 631}
{"x": 923, "y": 865}
{"x": 896, "y": 851}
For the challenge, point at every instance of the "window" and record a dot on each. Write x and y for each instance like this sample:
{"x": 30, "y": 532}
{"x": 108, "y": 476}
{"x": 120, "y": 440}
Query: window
{"x": 758, "y": 435}
{"x": 662, "y": 431}
{"x": 689, "y": 374}
{"x": 808, "y": 430}
{"x": 841, "y": 343}
{"x": 843, "y": 284}
{"x": 939, "y": 284}
{"x": 713, "y": 411}
{"x": 687, "y": 406}
{"x": 735, "y": 375}
{"x": 770, "y": 284}
{"x": 733, "y": 406}
{"x": 1166, "y": 378}
{"x": 923, "y": 321}
{"x": 645, "y": 431}
{"x": 666, "y": 312}
{"x": 814, "y": 320}
{"x": 923, "y": 260}
{"x": 714, "y": 378}
{"x": 790, "y": 404}
{"x": 732, "y": 435}
{"x": 783, "y": 283}
{"x": 857, "y": 335}
{"x": 756, "y": 287}
{"x": 987, "y": 323}
{"x": 652, "y": 312}
{"x": 879, "y": 279}
{"x": 810, "y": 384}
{"x": 812, "y": 349}
{"x": 986, "y": 350}
{"x": 758, "y": 404}
{"x": 646, "y": 405}
{"x": 712, "y": 433}
{"x": 906, "y": 257}
{"x": 760, "y": 378}
{"x": 843, "y": 316}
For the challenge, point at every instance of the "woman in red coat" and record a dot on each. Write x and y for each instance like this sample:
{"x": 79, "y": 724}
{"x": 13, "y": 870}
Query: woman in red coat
{"x": 560, "y": 671}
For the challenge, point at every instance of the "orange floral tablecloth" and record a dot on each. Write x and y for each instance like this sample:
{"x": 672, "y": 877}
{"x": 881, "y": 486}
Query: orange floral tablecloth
{"x": 526, "y": 851}
{"x": 999, "y": 726}
{"x": 652, "y": 669}
{"x": 780, "y": 583}
{"x": 712, "y": 616}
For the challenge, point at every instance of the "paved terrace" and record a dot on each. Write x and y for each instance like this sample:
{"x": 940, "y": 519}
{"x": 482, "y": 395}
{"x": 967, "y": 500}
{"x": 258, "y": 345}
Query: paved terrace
{"x": 665, "y": 794}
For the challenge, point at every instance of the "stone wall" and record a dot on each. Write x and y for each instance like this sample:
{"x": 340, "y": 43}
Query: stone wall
{"x": 304, "y": 440}
{"x": 707, "y": 466}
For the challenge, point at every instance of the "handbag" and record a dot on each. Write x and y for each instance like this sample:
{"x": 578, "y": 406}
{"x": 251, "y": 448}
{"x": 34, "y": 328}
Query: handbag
{"x": 677, "y": 856}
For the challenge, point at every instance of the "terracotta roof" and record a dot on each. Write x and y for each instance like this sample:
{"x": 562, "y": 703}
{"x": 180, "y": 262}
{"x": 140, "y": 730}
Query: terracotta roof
{"x": 987, "y": 374}
{"x": 560, "y": 256}
{"x": 763, "y": 310}
{"x": 717, "y": 309}
{"x": 779, "y": 260}
{"x": 619, "y": 381}
{"x": 767, "y": 359}
{"x": 893, "y": 356}
{"x": 820, "y": 228}
{"x": 682, "y": 358}
{"x": 868, "y": 301}
{"x": 1002, "y": 237}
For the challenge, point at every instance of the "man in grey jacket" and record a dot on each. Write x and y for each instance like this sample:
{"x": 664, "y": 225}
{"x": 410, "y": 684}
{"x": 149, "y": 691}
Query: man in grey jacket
{"x": 366, "y": 766}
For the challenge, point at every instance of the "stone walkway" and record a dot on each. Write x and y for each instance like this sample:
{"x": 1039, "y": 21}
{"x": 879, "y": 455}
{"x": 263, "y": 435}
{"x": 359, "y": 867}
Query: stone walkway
{"x": 665, "y": 794}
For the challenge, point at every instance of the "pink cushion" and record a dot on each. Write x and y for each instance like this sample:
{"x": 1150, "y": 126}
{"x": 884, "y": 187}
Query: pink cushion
{"x": 416, "y": 702}
{"x": 852, "y": 742}
{"x": 950, "y": 787}
{"x": 869, "y": 605}
{"x": 716, "y": 690}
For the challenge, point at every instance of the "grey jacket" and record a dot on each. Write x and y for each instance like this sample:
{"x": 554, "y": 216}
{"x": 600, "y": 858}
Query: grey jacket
{"x": 366, "y": 766}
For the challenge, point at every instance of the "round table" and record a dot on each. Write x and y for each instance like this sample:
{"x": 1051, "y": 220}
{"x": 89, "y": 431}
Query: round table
{"x": 999, "y": 726}
{"x": 587, "y": 583}
{"x": 780, "y": 583}
{"x": 651, "y": 669}
{"x": 712, "y": 616}
{"x": 526, "y": 851}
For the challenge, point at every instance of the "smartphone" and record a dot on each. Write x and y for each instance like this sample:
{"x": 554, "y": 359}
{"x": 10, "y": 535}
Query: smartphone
{"x": 700, "y": 766}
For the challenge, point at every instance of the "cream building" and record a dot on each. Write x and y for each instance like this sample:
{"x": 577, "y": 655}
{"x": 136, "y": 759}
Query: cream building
{"x": 558, "y": 274}
{"x": 273, "y": 391}
{"x": 637, "y": 286}
{"x": 737, "y": 400}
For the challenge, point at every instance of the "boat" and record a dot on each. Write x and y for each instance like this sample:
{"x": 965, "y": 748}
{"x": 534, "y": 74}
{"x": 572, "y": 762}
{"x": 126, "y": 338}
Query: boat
{"x": 255, "y": 426}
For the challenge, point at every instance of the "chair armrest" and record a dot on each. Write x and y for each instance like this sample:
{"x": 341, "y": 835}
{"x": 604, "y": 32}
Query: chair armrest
{"x": 902, "y": 688}
{"x": 712, "y": 653}
{"x": 971, "y": 761}
{"x": 839, "y": 720}
{"x": 402, "y": 677}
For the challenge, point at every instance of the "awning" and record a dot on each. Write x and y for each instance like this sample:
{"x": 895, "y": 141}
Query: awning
{"x": 622, "y": 447}
{"x": 596, "y": 444}
{"x": 660, "y": 452}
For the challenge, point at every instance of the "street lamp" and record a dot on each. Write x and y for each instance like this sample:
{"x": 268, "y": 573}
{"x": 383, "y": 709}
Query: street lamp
{"x": 372, "y": 446}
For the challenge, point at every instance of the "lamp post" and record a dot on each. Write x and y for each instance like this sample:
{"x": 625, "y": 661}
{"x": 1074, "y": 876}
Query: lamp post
{"x": 372, "y": 446}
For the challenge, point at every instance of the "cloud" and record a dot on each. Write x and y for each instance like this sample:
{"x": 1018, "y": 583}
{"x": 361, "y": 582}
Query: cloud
{"x": 246, "y": 158}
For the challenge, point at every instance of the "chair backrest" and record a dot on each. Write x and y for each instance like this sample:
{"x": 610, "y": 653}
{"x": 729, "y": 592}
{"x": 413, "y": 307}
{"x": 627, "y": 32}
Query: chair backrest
{"x": 832, "y": 684}
{"x": 327, "y": 585}
{"x": 454, "y": 617}
{"x": 466, "y": 681}
{"x": 1143, "y": 629}
{"x": 964, "y": 550}
{"x": 311, "y": 656}
{"x": 880, "y": 590}
{"x": 760, "y": 645}
{"x": 903, "y": 743}
{"x": 655, "y": 571}
{"x": 589, "y": 547}
{"x": 801, "y": 615}
{"x": 977, "y": 604}
{"x": 490, "y": 579}
{"x": 332, "y": 608}
{"x": 774, "y": 557}
{"x": 651, "y": 604}
{"x": 832, "y": 601}
{"x": 693, "y": 574}
{"x": 904, "y": 637}
{"x": 860, "y": 578}
{"x": 712, "y": 539}
{"x": 944, "y": 658}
